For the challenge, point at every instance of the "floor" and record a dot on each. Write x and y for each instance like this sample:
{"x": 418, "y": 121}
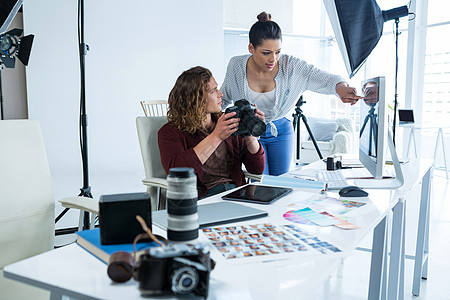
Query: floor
{"x": 350, "y": 281}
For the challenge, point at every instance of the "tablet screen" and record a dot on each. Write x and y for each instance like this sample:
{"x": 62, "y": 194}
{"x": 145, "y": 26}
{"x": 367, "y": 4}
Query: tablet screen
{"x": 261, "y": 194}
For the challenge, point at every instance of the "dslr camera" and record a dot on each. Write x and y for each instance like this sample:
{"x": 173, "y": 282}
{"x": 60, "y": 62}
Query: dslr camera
{"x": 249, "y": 124}
{"x": 178, "y": 268}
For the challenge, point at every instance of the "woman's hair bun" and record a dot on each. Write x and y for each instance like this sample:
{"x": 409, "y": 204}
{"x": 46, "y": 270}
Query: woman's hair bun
{"x": 264, "y": 17}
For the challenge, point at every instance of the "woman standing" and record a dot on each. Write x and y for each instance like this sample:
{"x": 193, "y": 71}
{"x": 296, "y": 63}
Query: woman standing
{"x": 274, "y": 81}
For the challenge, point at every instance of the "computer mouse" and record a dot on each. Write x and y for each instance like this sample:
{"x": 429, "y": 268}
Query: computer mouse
{"x": 352, "y": 191}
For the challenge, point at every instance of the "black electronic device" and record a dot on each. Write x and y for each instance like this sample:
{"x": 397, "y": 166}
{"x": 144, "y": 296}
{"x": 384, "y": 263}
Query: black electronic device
{"x": 260, "y": 194}
{"x": 249, "y": 124}
{"x": 405, "y": 116}
{"x": 117, "y": 214}
{"x": 353, "y": 191}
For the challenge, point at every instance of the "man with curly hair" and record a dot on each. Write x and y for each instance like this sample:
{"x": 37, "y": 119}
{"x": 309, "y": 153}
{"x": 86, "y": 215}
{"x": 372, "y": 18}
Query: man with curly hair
{"x": 198, "y": 135}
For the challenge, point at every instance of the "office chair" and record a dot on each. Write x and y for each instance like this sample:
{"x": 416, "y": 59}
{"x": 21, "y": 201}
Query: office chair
{"x": 155, "y": 108}
{"x": 147, "y": 128}
{"x": 27, "y": 206}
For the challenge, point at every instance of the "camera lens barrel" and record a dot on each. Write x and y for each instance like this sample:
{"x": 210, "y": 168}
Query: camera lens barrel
{"x": 182, "y": 220}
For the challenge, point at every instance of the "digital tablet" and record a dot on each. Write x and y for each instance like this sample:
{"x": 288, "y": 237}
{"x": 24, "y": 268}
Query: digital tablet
{"x": 260, "y": 194}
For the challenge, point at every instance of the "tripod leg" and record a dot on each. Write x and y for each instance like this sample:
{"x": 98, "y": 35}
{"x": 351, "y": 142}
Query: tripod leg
{"x": 312, "y": 137}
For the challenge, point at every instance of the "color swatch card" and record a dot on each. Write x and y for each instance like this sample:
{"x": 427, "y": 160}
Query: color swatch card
{"x": 341, "y": 223}
{"x": 313, "y": 216}
{"x": 335, "y": 206}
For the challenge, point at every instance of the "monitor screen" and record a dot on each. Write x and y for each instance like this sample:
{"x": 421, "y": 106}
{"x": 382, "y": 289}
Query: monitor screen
{"x": 405, "y": 116}
{"x": 373, "y": 121}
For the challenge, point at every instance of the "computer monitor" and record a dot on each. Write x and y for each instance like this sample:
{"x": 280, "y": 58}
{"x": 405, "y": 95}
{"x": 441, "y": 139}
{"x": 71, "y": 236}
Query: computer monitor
{"x": 374, "y": 135}
{"x": 373, "y": 132}
{"x": 405, "y": 116}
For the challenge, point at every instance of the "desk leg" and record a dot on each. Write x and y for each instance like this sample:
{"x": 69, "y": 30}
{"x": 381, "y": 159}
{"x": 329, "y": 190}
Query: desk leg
{"x": 411, "y": 137}
{"x": 396, "y": 262}
{"x": 421, "y": 257}
{"x": 401, "y": 289}
{"x": 377, "y": 262}
{"x": 440, "y": 136}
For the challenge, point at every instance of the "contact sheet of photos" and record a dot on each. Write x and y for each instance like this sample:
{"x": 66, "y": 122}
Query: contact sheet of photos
{"x": 263, "y": 240}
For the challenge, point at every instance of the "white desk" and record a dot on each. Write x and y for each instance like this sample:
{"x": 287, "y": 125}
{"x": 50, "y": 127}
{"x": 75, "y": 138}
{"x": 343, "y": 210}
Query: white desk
{"x": 74, "y": 272}
{"x": 387, "y": 282}
{"x": 439, "y": 139}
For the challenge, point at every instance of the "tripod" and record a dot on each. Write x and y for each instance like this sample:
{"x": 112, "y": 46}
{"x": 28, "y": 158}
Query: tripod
{"x": 373, "y": 129}
{"x": 296, "y": 123}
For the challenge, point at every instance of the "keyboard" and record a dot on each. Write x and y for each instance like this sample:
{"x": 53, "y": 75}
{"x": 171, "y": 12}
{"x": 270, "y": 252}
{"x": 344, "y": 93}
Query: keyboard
{"x": 334, "y": 179}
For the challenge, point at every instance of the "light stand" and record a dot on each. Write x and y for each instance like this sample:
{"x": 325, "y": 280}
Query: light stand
{"x": 396, "y": 79}
{"x": 358, "y": 26}
{"x": 296, "y": 123}
{"x": 86, "y": 189}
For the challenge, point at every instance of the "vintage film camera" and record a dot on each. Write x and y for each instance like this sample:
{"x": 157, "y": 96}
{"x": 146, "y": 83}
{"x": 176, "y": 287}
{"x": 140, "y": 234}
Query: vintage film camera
{"x": 178, "y": 269}
{"x": 334, "y": 162}
{"x": 249, "y": 124}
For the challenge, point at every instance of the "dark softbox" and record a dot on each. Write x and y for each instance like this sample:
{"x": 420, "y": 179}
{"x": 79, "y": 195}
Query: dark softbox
{"x": 358, "y": 26}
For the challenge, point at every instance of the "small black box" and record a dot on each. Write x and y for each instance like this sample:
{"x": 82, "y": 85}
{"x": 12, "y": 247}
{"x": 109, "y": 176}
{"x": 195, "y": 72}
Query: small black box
{"x": 118, "y": 224}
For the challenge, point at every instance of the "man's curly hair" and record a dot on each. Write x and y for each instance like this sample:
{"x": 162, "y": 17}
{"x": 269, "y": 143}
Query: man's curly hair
{"x": 187, "y": 99}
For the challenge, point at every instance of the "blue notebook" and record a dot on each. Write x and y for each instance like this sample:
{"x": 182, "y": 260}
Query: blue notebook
{"x": 90, "y": 241}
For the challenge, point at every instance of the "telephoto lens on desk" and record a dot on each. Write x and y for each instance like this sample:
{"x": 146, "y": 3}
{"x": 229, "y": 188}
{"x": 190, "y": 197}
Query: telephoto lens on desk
{"x": 182, "y": 219}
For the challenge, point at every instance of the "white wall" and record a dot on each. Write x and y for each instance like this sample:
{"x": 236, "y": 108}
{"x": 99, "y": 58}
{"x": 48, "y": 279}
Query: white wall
{"x": 137, "y": 51}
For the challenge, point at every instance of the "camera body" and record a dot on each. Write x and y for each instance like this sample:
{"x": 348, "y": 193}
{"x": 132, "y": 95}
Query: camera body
{"x": 178, "y": 268}
{"x": 334, "y": 162}
{"x": 249, "y": 124}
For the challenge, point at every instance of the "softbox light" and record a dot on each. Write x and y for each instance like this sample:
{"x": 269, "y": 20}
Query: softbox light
{"x": 358, "y": 26}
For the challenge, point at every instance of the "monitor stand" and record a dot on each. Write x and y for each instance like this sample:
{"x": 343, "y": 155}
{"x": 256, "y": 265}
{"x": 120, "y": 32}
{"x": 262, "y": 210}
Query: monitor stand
{"x": 393, "y": 183}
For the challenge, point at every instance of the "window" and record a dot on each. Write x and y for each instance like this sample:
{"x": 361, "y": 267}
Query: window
{"x": 436, "y": 85}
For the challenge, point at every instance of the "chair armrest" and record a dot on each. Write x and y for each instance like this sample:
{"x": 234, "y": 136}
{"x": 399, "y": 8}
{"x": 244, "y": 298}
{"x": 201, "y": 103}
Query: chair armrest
{"x": 156, "y": 182}
{"x": 252, "y": 176}
{"x": 83, "y": 203}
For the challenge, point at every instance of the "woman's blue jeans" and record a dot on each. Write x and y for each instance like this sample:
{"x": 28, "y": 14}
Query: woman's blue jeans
{"x": 280, "y": 149}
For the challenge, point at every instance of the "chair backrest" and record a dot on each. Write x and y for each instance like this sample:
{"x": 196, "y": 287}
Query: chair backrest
{"x": 155, "y": 108}
{"x": 27, "y": 206}
{"x": 147, "y": 128}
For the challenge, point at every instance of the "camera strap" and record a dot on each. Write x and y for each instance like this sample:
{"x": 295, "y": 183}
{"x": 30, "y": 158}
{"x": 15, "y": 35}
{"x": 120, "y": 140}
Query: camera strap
{"x": 148, "y": 234}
